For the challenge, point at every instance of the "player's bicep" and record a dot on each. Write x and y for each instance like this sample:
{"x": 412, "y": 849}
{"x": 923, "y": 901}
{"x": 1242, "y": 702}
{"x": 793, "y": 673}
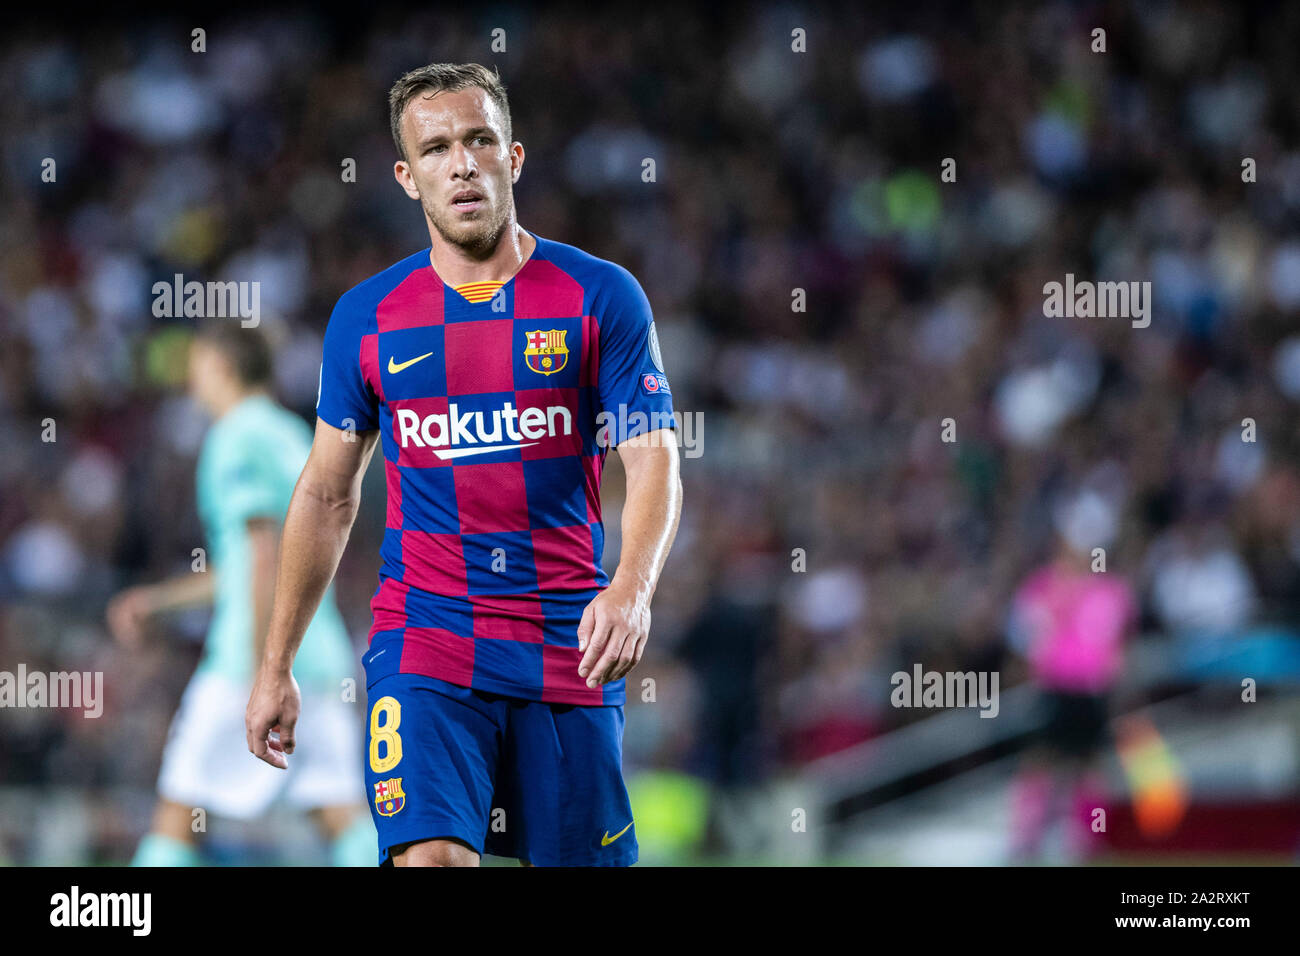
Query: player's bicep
{"x": 650, "y": 453}
{"x": 338, "y": 460}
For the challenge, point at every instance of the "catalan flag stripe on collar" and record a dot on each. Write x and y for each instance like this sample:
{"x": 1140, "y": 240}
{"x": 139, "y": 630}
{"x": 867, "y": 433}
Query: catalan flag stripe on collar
{"x": 478, "y": 291}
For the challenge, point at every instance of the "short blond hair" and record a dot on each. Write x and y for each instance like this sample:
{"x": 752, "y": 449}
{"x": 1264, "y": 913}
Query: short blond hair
{"x": 449, "y": 77}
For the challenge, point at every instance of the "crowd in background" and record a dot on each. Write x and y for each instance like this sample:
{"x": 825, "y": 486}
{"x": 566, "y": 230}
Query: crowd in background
{"x": 830, "y": 534}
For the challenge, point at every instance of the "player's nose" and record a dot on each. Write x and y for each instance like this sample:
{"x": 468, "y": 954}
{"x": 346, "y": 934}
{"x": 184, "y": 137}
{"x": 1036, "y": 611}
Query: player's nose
{"x": 463, "y": 165}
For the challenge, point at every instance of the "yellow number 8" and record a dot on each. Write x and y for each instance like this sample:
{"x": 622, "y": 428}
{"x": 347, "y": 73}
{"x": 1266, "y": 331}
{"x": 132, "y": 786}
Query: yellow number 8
{"x": 387, "y": 734}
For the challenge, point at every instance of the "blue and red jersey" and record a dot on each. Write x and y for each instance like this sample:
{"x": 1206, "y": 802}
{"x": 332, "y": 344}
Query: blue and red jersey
{"x": 495, "y": 406}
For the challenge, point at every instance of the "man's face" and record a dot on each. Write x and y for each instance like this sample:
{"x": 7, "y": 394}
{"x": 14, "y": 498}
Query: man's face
{"x": 459, "y": 166}
{"x": 209, "y": 373}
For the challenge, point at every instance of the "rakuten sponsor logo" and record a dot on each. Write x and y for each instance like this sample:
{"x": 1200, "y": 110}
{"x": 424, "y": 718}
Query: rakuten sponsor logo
{"x": 457, "y": 434}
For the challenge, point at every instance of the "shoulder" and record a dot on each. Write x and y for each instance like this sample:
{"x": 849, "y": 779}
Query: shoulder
{"x": 604, "y": 283}
{"x": 233, "y": 433}
{"x": 228, "y": 448}
{"x": 358, "y": 303}
{"x": 258, "y": 424}
{"x": 276, "y": 421}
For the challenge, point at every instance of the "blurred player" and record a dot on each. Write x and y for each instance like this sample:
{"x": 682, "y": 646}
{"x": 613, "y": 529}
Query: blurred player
{"x": 487, "y": 366}
{"x": 1070, "y": 623}
{"x": 250, "y": 459}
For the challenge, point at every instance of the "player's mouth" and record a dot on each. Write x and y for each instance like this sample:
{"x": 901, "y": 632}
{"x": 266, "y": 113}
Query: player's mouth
{"x": 467, "y": 200}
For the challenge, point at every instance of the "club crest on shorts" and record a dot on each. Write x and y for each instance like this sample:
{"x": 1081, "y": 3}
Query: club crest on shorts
{"x": 545, "y": 352}
{"x": 389, "y": 797}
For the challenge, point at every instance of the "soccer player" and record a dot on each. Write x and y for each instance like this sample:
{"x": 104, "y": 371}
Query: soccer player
{"x": 247, "y": 466}
{"x": 495, "y": 368}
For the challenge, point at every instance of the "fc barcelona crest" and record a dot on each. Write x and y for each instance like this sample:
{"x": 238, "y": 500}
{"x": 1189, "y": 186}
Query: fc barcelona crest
{"x": 545, "y": 352}
{"x": 389, "y": 797}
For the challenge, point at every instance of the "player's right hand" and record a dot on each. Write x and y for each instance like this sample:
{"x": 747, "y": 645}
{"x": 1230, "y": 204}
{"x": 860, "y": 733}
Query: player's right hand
{"x": 272, "y": 707}
{"x": 127, "y": 613}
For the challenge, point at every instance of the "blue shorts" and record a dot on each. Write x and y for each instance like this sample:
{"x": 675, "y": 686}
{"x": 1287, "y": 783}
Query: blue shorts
{"x": 510, "y": 777}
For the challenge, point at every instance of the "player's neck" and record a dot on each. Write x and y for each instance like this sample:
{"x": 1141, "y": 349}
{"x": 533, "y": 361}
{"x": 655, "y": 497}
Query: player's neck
{"x": 456, "y": 267}
{"x": 232, "y": 399}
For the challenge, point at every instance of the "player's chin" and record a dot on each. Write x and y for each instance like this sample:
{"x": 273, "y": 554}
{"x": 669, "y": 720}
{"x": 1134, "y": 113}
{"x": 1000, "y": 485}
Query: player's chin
{"x": 470, "y": 229}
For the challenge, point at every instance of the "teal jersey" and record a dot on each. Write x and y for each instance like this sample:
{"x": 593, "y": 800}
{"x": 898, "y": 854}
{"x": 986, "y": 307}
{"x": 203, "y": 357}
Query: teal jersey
{"x": 248, "y": 466}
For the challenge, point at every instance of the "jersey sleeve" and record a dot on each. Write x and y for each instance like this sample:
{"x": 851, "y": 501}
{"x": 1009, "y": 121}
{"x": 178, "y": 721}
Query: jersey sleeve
{"x": 344, "y": 398}
{"x": 245, "y": 478}
{"x": 633, "y": 390}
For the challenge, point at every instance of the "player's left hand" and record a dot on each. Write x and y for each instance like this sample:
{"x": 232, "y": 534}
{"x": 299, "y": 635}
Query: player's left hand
{"x": 612, "y": 634}
{"x": 273, "y": 708}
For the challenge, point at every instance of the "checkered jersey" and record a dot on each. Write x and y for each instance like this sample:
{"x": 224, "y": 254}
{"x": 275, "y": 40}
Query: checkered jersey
{"x": 494, "y": 419}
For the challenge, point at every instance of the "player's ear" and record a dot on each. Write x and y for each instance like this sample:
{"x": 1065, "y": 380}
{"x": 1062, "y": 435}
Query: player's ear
{"x": 516, "y": 161}
{"x": 402, "y": 173}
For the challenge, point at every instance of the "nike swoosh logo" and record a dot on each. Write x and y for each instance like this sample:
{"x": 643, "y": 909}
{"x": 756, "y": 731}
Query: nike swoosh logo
{"x": 445, "y": 453}
{"x": 606, "y": 840}
{"x": 394, "y": 368}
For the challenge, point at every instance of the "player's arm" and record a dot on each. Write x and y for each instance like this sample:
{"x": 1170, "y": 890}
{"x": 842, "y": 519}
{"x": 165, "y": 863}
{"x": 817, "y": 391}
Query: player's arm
{"x": 263, "y": 543}
{"x": 316, "y": 529}
{"x": 131, "y": 609}
{"x": 616, "y": 625}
